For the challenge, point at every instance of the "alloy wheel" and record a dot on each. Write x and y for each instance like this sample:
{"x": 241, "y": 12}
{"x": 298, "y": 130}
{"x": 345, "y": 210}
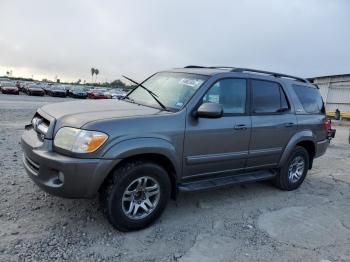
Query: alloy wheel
{"x": 141, "y": 197}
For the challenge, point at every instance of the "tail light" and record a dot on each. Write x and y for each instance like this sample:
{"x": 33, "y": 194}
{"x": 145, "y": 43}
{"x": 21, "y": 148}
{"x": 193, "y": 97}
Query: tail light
{"x": 327, "y": 124}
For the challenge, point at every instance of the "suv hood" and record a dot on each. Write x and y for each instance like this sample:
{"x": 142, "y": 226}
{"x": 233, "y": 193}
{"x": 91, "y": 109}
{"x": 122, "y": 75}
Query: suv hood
{"x": 79, "y": 113}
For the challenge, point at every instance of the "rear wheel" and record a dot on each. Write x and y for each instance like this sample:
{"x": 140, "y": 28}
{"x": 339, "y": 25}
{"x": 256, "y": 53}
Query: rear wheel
{"x": 292, "y": 175}
{"x": 136, "y": 195}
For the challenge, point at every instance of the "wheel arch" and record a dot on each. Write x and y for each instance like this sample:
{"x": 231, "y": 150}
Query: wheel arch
{"x": 305, "y": 139}
{"x": 154, "y": 150}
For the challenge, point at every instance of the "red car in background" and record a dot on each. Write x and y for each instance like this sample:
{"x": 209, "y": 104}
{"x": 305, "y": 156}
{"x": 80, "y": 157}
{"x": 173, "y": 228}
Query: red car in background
{"x": 9, "y": 88}
{"x": 97, "y": 94}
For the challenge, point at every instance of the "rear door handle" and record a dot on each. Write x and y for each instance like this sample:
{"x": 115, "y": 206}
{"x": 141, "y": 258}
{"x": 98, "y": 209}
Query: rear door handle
{"x": 289, "y": 124}
{"x": 240, "y": 127}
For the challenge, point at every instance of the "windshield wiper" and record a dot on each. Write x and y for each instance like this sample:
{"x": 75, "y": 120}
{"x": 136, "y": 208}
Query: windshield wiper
{"x": 145, "y": 88}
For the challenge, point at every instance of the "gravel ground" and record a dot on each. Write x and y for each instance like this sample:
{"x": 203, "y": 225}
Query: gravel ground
{"x": 253, "y": 222}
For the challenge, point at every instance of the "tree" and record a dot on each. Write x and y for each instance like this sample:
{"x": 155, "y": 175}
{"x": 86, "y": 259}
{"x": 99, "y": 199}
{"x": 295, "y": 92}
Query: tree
{"x": 92, "y": 74}
{"x": 118, "y": 84}
{"x": 96, "y": 73}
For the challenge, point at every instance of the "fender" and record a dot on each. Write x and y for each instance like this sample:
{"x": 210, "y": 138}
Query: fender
{"x": 304, "y": 135}
{"x": 131, "y": 147}
{"x": 145, "y": 145}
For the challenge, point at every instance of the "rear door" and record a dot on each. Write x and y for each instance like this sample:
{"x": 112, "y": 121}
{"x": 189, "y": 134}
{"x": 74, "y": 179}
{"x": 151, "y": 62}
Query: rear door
{"x": 273, "y": 123}
{"x": 219, "y": 146}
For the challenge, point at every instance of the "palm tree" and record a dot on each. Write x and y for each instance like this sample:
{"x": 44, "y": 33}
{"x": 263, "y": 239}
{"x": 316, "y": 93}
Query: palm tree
{"x": 92, "y": 74}
{"x": 96, "y": 73}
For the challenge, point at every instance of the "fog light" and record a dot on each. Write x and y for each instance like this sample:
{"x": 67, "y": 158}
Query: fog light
{"x": 61, "y": 177}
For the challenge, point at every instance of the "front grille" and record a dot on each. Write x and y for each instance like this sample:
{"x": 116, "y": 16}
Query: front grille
{"x": 33, "y": 165}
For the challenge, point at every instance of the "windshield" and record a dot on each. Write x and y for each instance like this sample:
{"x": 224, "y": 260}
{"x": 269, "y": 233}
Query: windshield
{"x": 8, "y": 84}
{"x": 172, "y": 89}
{"x": 58, "y": 88}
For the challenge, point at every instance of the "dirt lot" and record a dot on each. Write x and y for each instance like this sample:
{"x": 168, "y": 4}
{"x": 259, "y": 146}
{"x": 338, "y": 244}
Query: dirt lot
{"x": 254, "y": 222}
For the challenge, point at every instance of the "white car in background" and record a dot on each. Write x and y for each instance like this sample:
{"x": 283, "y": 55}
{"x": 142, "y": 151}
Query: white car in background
{"x": 116, "y": 94}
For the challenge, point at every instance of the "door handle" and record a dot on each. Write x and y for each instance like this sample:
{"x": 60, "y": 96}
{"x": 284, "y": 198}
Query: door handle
{"x": 289, "y": 124}
{"x": 240, "y": 127}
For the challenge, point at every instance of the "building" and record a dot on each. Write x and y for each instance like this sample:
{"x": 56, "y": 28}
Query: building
{"x": 335, "y": 91}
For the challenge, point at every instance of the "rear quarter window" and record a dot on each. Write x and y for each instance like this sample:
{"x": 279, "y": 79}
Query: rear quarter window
{"x": 310, "y": 99}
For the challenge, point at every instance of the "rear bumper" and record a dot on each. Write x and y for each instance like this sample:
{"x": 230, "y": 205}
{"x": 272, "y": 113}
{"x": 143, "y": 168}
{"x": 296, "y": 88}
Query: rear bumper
{"x": 62, "y": 175}
{"x": 331, "y": 133}
{"x": 321, "y": 147}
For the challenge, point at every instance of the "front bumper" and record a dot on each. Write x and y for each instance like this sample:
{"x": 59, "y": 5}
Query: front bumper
{"x": 62, "y": 175}
{"x": 59, "y": 94}
{"x": 37, "y": 93}
{"x": 10, "y": 92}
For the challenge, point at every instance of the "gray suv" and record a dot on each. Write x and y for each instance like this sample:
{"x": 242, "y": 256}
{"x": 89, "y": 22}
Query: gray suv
{"x": 189, "y": 129}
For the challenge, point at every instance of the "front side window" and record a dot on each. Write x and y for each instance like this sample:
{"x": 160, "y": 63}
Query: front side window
{"x": 310, "y": 99}
{"x": 173, "y": 90}
{"x": 268, "y": 97}
{"x": 230, "y": 93}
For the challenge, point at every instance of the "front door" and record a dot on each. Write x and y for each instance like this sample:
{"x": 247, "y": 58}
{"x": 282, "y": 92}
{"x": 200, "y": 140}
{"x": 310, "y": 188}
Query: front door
{"x": 219, "y": 146}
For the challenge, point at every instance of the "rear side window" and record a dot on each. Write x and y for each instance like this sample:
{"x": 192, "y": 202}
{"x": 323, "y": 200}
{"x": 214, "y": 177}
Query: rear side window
{"x": 268, "y": 97}
{"x": 310, "y": 99}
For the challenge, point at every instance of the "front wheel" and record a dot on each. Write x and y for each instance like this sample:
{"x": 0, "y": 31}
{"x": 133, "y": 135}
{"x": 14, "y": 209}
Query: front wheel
{"x": 136, "y": 195}
{"x": 292, "y": 175}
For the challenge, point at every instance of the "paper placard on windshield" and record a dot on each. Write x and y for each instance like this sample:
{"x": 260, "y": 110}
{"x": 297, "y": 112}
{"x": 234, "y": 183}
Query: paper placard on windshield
{"x": 190, "y": 82}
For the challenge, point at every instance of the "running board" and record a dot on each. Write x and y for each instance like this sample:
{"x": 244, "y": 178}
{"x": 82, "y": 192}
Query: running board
{"x": 220, "y": 182}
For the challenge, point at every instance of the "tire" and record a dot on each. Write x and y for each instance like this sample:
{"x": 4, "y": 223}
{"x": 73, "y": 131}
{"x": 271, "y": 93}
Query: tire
{"x": 286, "y": 179}
{"x": 127, "y": 177}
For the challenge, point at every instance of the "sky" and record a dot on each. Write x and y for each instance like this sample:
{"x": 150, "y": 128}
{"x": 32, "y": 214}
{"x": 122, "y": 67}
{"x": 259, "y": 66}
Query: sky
{"x": 65, "y": 38}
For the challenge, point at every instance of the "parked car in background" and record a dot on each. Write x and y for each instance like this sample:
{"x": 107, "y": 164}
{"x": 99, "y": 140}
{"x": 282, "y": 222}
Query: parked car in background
{"x": 22, "y": 85}
{"x": 77, "y": 92}
{"x": 35, "y": 90}
{"x": 97, "y": 93}
{"x": 9, "y": 88}
{"x": 115, "y": 94}
{"x": 68, "y": 89}
{"x": 57, "y": 91}
{"x": 47, "y": 88}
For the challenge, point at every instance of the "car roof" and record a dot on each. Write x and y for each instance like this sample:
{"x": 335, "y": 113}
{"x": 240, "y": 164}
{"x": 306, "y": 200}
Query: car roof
{"x": 213, "y": 70}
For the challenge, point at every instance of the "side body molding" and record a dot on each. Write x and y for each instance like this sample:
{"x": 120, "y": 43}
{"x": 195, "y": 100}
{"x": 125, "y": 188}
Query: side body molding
{"x": 303, "y": 135}
{"x": 146, "y": 145}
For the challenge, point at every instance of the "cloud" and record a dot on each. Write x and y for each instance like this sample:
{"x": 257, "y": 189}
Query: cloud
{"x": 66, "y": 38}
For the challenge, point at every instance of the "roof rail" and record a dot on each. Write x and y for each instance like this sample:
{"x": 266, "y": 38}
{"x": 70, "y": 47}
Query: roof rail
{"x": 195, "y": 66}
{"x": 249, "y": 70}
{"x": 210, "y": 67}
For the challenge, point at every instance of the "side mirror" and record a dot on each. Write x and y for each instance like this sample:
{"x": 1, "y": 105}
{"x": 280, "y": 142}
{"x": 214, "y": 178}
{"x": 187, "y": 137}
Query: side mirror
{"x": 209, "y": 110}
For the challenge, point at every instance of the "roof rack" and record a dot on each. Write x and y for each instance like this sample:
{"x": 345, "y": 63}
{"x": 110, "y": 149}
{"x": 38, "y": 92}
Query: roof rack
{"x": 269, "y": 73}
{"x": 248, "y": 70}
{"x": 210, "y": 67}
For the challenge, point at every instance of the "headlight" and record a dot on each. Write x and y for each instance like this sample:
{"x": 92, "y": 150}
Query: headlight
{"x": 78, "y": 140}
